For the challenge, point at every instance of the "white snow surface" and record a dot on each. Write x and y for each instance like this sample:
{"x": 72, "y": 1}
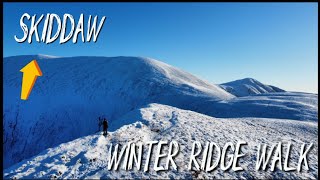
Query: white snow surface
{"x": 87, "y": 157}
{"x": 248, "y": 86}
{"x": 73, "y": 92}
{"x": 284, "y": 105}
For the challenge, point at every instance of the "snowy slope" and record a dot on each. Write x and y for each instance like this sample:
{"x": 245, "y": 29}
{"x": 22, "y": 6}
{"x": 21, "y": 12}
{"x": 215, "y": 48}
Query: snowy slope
{"x": 283, "y": 105}
{"x": 67, "y": 100}
{"x": 87, "y": 157}
{"x": 248, "y": 86}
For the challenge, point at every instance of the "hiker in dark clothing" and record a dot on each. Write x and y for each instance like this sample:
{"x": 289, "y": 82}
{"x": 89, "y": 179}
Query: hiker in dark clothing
{"x": 105, "y": 126}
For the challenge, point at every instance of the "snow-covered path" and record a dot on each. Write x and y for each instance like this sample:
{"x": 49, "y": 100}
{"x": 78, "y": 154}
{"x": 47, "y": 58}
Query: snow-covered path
{"x": 87, "y": 157}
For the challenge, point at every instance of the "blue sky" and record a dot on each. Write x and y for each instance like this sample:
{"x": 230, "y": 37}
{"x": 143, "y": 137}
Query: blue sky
{"x": 275, "y": 43}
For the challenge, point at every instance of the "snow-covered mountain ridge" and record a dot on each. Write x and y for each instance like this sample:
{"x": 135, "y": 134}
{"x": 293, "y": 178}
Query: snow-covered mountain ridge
{"x": 87, "y": 157}
{"x": 73, "y": 92}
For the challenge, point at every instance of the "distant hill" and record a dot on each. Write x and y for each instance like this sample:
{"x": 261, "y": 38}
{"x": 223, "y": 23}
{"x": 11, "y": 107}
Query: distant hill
{"x": 248, "y": 86}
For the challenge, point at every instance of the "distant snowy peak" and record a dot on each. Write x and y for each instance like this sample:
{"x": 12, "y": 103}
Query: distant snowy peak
{"x": 248, "y": 86}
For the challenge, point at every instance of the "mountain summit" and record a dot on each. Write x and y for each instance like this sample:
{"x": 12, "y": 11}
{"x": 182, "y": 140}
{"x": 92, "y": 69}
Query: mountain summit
{"x": 248, "y": 86}
{"x": 73, "y": 92}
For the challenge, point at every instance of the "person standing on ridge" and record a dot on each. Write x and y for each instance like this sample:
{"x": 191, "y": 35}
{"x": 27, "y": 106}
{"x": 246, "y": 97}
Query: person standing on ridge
{"x": 105, "y": 126}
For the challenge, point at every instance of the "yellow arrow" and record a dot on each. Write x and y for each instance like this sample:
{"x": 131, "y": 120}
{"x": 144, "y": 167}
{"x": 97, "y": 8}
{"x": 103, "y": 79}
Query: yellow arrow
{"x": 30, "y": 73}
